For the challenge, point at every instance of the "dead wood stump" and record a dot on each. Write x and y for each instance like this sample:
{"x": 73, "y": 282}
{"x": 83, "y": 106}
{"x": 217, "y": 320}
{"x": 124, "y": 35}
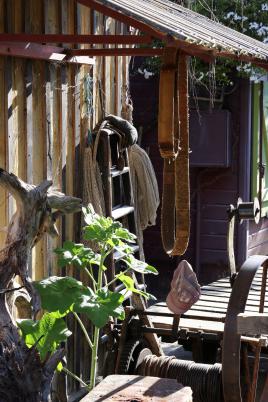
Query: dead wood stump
{"x": 23, "y": 377}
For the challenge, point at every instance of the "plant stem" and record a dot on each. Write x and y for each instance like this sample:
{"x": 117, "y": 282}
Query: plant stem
{"x": 94, "y": 354}
{"x": 92, "y": 278}
{"x": 74, "y": 376}
{"x": 94, "y": 358}
{"x": 83, "y": 329}
{"x": 115, "y": 279}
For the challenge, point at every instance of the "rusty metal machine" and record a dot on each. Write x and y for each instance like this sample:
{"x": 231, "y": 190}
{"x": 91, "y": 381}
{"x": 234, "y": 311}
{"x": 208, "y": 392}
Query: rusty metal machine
{"x": 226, "y": 364}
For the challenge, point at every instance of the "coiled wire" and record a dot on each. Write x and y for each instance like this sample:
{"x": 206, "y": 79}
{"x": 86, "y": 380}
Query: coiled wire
{"x": 204, "y": 379}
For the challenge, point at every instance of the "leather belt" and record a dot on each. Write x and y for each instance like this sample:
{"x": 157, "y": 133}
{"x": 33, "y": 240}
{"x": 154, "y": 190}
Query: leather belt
{"x": 173, "y": 138}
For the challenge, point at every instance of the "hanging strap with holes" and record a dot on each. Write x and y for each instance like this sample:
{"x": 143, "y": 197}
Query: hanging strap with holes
{"x": 173, "y": 137}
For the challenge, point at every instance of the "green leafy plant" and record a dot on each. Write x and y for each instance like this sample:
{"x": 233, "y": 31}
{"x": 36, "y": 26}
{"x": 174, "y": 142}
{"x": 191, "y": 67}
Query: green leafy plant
{"x": 61, "y": 296}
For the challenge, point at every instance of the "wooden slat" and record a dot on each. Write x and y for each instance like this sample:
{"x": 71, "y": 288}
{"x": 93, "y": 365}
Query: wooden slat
{"x": 109, "y": 71}
{"x": 224, "y": 301}
{"x": 98, "y": 72}
{"x": 3, "y": 135}
{"x": 38, "y": 140}
{"x": 191, "y": 324}
{"x": 18, "y": 164}
{"x": 70, "y": 157}
{"x": 213, "y": 304}
{"x": 53, "y": 25}
{"x": 252, "y": 324}
{"x": 69, "y": 18}
{"x": 84, "y": 15}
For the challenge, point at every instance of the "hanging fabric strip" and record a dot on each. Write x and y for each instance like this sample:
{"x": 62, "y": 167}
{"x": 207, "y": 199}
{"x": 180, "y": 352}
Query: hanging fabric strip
{"x": 175, "y": 213}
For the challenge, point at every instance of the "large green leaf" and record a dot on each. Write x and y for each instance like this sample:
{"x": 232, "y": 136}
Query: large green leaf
{"x": 77, "y": 254}
{"x": 100, "y": 306}
{"x": 46, "y": 333}
{"x": 139, "y": 266}
{"x": 59, "y": 293}
{"x": 105, "y": 230}
{"x": 130, "y": 285}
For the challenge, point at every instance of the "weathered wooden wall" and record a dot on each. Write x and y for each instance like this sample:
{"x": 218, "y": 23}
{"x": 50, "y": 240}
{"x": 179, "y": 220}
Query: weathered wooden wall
{"x": 46, "y": 112}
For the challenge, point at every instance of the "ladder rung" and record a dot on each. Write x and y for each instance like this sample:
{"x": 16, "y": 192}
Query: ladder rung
{"x": 117, "y": 255}
{"x": 116, "y": 172}
{"x": 122, "y": 211}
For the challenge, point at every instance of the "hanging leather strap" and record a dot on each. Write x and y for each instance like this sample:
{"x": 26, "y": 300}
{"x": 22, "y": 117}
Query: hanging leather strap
{"x": 168, "y": 133}
{"x": 175, "y": 214}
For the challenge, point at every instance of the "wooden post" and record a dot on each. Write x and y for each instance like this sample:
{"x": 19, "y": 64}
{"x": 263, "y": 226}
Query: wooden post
{"x": 3, "y": 134}
{"x": 38, "y": 131}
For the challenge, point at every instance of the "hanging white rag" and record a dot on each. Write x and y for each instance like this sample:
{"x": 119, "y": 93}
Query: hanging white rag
{"x": 92, "y": 183}
{"x": 145, "y": 190}
{"x": 185, "y": 289}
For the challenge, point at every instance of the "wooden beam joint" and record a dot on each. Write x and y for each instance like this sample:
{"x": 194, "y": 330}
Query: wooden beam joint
{"x": 42, "y": 52}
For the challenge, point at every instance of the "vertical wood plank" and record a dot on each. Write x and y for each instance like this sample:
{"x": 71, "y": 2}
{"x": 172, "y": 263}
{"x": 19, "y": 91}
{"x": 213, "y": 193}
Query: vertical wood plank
{"x": 112, "y": 104}
{"x": 53, "y": 25}
{"x": 18, "y": 163}
{"x": 70, "y": 148}
{"x": 3, "y": 134}
{"x": 86, "y": 98}
{"x": 98, "y": 74}
{"x": 85, "y": 74}
{"x": 38, "y": 130}
{"x": 118, "y": 75}
{"x": 69, "y": 26}
{"x": 125, "y": 78}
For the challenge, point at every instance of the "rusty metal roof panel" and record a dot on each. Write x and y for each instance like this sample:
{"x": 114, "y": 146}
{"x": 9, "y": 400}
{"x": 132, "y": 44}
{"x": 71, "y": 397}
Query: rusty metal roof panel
{"x": 184, "y": 24}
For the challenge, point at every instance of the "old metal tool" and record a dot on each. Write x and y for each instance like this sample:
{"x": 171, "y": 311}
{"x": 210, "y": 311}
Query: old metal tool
{"x": 242, "y": 211}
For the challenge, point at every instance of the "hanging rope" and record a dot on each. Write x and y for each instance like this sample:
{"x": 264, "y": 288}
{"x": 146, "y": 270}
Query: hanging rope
{"x": 92, "y": 183}
{"x": 145, "y": 191}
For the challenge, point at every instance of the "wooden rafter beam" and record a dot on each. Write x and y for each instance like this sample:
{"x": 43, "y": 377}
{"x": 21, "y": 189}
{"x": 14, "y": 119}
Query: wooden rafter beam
{"x": 42, "y": 52}
{"x": 117, "y": 52}
{"x": 117, "y": 15}
{"x": 76, "y": 39}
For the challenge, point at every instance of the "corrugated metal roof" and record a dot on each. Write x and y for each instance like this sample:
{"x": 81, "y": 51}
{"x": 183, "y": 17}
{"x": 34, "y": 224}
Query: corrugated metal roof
{"x": 189, "y": 26}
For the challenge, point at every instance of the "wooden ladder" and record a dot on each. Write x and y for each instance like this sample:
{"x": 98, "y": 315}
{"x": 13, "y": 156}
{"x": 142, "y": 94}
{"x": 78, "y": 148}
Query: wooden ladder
{"x": 117, "y": 187}
{"x": 119, "y": 205}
